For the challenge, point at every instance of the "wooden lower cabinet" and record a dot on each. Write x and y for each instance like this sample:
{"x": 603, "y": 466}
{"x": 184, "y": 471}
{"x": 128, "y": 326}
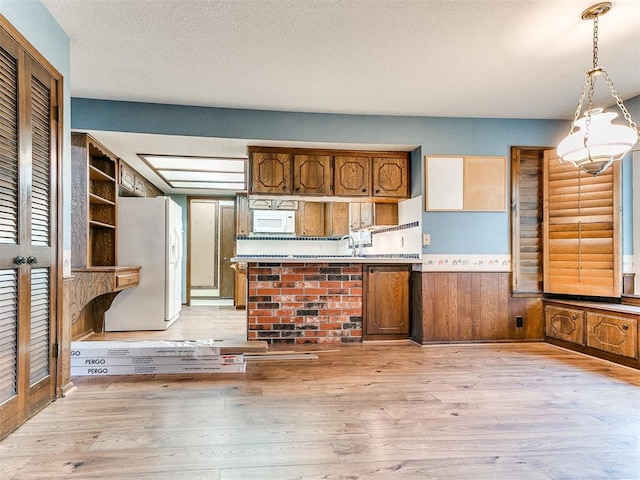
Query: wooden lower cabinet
{"x": 565, "y": 324}
{"x": 604, "y": 330}
{"x": 240, "y": 291}
{"x": 612, "y": 333}
{"x": 386, "y": 303}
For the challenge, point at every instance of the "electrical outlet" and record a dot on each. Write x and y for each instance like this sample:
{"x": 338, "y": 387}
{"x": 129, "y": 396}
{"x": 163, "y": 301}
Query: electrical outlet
{"x": 426, "y": 239}
{"x": 519, "y": 322}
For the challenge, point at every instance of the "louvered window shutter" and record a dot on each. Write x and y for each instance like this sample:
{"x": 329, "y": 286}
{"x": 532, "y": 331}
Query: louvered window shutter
{"x": 526, "y": 198}
{"x": 581, "y": 230}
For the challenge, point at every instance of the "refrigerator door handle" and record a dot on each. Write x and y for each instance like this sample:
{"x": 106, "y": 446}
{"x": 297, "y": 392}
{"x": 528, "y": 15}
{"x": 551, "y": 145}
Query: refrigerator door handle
{"x": 175, "y": 248}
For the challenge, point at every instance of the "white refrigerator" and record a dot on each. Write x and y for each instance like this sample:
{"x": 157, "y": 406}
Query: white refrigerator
{"x": 150, "y": 235}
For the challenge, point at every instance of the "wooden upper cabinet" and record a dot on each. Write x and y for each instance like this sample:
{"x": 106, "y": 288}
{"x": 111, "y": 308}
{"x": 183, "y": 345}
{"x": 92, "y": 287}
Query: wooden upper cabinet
{"x": 310, "y": 219}
{"x": 367, "y": 214}
{"x": 352, "y": 176}
{"x": 337, "y": 219}
{"x": 312, "y": 174}
{"x": 243, "y": 216}
{"x": 390, "y": 177}
{"x": 270, "y": 173}
{"x": 340, "y": 173}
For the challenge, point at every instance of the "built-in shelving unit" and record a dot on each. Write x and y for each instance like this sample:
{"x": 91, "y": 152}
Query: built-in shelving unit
{"x": 94, "y": 206}
{"x": 94, "y": 203}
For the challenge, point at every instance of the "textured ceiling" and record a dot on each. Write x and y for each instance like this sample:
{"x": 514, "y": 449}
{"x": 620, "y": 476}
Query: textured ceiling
{"x": 455, "y": 58}
{"x": 482, "y": 58}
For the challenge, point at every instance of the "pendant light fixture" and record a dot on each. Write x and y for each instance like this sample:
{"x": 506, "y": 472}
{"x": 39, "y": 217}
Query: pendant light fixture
{"x": 597, "y": 142}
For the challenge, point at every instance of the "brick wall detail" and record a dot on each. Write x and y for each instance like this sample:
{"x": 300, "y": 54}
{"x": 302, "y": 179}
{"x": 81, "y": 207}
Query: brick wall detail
{"x": 300, "y": 303}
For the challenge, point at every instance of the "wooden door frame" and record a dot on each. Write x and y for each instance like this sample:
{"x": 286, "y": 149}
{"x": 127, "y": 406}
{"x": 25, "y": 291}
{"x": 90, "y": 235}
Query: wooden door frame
{"x": 188, "y": 230}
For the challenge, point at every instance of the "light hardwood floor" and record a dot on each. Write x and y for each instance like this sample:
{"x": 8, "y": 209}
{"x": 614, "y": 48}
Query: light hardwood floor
{"x": 194, "y": 323}
{"x": 495, "y": 411}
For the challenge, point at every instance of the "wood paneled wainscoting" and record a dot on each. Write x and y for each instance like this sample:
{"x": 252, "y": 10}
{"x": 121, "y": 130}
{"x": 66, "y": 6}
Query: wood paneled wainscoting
{"x": 471, "y": 307}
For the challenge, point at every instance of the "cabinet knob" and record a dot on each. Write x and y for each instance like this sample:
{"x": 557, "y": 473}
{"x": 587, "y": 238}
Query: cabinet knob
{"x": 364, "y": 190}
{"x": 20, "y": 260}
{"x": 378, "y": 191}
{"x": 574, "y": 317}
{"x": 625, "y": 326}
{"x": 31, "y": 260}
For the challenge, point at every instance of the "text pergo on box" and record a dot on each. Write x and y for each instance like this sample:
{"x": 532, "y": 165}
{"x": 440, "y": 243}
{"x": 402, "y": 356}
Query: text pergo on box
{"x": 146, "y": 348}
{"x": 150, "y": 360}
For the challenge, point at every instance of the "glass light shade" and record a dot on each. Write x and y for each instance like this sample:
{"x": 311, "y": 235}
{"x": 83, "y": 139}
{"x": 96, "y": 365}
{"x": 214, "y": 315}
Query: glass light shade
{"x": 606, "y": 142}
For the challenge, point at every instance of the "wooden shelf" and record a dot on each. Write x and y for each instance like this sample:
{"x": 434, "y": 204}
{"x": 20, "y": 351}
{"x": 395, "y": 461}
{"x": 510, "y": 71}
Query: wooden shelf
{"x": 97, "y": 174}
{"x": 94, "y": 172}
{"x": 100, "y": 224}
{"x": 98, "y": 200}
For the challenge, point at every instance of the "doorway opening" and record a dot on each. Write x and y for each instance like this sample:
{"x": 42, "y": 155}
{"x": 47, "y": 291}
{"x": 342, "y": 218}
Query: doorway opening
{"x": 211, "y": 245}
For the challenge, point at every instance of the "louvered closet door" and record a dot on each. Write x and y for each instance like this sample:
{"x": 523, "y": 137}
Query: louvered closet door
{"x": 581, "y": 230}
{"x": 27, "y": 235}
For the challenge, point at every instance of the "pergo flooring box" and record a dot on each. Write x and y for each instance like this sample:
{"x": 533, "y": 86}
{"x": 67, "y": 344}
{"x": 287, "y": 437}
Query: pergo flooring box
{"x": 99, "y": 370}
{"x": 143, "y": 348}
{"x": 149, "y": 360}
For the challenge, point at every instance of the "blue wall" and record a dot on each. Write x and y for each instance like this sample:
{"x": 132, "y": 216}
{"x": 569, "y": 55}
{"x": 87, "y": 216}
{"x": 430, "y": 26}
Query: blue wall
{"x": 451, "y": 232}
{"x": 633, "y": 105}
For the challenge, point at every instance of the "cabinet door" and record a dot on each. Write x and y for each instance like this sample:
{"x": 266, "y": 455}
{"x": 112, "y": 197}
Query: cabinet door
{"x": 312, "y": 174}
{"x": 270, "y": 173}
{"x": 565, "y": 324}
{"x": 310, "y": 219}
{"x": 367, "y": 215}
{"x": 127, "y": 178}
{"x": 243, "y": 216}
{"x": 387, "y": 302}
{"x": 285, "y": 205}
{"x": 354, "y": 216}
{"x": 352, "y": 176}
{"x": 613, "y": 334}
{"x": 260, "y": 204}
{"x": 140, "y": 188}
{"x": 390, "y": 177}
{"x": 240, "y": 292}
{"x": 337, "y": 219}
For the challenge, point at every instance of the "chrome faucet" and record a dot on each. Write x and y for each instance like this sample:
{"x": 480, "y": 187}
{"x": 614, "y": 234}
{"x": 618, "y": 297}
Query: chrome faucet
{"x": 351, "y": 244}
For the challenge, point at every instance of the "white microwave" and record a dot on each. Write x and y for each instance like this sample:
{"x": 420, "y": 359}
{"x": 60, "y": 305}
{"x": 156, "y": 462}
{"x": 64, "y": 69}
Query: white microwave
{"x": 274, "y": 221}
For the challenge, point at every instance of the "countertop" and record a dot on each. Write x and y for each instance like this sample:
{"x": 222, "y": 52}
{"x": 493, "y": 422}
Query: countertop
{"x": 326, "y": 259}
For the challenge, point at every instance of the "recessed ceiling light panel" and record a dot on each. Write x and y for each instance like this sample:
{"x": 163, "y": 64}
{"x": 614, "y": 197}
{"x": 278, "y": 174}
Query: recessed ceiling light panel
{"x": 199, "y": 172}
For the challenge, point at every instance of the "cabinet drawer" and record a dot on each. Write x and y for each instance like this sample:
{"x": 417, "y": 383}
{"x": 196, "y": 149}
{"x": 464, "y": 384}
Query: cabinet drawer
{"x": 124, "y": 280}
{"x": 260, "y": 204}
{"x": 565, "y": 324}
{"x": 613, "y": 334}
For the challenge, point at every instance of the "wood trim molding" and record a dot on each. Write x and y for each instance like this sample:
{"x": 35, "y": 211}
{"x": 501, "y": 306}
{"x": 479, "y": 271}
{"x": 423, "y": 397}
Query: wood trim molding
{"x": 29, "y": 48}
